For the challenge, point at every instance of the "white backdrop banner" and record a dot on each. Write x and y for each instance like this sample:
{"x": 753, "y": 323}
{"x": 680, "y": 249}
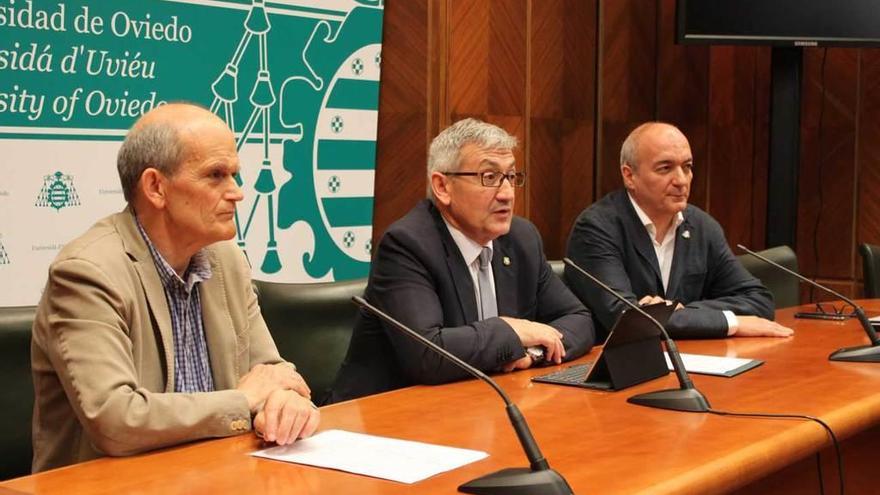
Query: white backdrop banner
{"x": 297, "y": 80}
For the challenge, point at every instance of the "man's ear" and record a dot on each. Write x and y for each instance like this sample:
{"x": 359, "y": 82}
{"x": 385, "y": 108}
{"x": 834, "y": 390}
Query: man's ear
{"x": 627, "y": 173}
{"x": 152, "y": 188}
{"x": 440, "y": 187}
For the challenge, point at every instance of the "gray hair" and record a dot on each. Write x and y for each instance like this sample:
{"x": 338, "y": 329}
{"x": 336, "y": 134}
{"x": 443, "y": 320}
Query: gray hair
{"x": 156, "y": 145}
{"x": 629, "y": 151}
{"x": 444, "y": 155}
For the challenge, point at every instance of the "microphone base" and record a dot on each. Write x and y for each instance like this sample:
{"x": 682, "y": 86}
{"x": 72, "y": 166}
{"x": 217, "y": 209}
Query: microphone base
{"x": 677, "y": 399}
{"x": 861, "y": 354}
{"x": 518, "y": 481}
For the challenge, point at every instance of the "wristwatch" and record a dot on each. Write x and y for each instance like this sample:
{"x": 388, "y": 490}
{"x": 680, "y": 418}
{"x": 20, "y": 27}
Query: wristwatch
{"x": 536, "y": 352}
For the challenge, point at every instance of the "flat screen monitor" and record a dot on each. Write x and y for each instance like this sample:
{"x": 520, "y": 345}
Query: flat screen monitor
{"x": 779, "y": 22}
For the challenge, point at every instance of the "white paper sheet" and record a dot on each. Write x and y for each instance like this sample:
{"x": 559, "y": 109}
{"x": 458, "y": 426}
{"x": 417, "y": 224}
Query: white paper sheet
{"x": 714, "y": 365}
{"x": 380, "y": 457}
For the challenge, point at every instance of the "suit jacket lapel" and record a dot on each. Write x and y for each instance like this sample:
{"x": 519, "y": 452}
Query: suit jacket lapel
{"x": 222, "y": 345}
{"x": 641, "y": 240}
{"x": 682, "y": 253}
{"x": 137, "y": 249}
{"x": 458, "y": 270}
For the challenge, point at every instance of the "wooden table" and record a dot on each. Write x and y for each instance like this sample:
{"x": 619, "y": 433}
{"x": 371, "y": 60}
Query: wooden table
{"x": 599, "y": 442}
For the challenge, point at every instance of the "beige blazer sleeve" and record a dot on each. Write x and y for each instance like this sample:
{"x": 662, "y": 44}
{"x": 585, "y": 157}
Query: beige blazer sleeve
{"x": 91, "y": 339}
{"x": 102, "y": 351}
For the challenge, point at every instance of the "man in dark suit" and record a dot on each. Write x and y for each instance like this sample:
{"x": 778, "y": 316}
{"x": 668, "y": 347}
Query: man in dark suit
{"x": 467, "y": 274}
{"x": 646, "y": 242}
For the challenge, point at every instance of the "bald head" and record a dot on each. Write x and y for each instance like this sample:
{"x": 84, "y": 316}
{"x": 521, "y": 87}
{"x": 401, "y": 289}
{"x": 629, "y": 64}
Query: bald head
{"x": 161, "y": 139}
{"x": 656, "y": 165}
{"x": 629, "y": 151}
{"x": 178, "y": 115}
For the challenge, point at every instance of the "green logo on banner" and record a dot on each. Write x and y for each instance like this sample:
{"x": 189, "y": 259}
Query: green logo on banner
{"x": 334, "y": 156}
{"x": 298, "y": 83}
{"x": 57, "y": 192}
{"x": 329, "y": 116}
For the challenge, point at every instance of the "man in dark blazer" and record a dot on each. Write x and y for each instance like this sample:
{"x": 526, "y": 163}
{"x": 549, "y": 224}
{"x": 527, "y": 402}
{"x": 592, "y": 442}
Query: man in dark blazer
{"x": 467, "y": 274}
{"x": 646, "y": 242}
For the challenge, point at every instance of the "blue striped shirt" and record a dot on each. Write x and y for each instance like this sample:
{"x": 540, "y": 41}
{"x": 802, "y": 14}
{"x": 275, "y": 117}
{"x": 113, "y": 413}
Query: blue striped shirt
{"x": 192, "y": 367}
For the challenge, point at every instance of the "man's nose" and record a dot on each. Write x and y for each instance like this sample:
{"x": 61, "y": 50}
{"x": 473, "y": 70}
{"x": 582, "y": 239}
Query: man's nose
{"x": 235, "y": 193}
{"x": 505, "y": 190}
{"x": 680, "y": 176}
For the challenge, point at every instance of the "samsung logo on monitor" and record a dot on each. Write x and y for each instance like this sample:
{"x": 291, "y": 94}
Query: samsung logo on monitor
{"x": 806, "y": 43}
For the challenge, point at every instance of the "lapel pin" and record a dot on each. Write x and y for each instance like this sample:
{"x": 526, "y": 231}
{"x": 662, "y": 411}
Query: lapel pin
{"x": 686, "y": 234}
{"x": 505, "y": 261}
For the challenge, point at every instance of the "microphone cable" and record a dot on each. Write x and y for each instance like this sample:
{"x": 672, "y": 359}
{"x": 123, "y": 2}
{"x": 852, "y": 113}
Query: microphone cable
{"x": 835, "y": 443}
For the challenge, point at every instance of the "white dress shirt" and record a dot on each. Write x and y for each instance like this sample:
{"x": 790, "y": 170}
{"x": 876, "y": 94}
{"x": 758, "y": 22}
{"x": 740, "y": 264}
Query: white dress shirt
{"x": 665, "y": 250}
{"x": 470, "y": 251}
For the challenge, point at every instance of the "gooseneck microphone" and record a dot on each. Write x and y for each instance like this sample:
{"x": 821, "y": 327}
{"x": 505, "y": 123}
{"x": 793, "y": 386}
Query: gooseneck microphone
{"x": 864, "y": 353}
{"x": 538, "y": 479}
{"x": 684, "y": 398}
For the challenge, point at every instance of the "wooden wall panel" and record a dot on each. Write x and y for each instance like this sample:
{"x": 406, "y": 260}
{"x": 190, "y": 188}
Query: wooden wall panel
{"x": 547, "y": 54}
{"x": 545, "y": 181}
{"x": 628, "y": 71}
{"x": 403, "y": 109}
{"x": 868, "y": 152}
{"x": 761, "y": 149}
{"x": 508, "y": 58}
{"x": 683, "y": 95}
{"x": 487, "y": 69}
{"x": 826, "y": 213}
{"x": 468, "y": 75}
{"x": 561, "y": 113}
{"x": 731, "y": 139}
{"x": 546, "y": 78}
{"x": 487, "y": 58}
{"x": 577, "y": 170}
{"x": 576, "y": 176}
{"x": 404, "y": 58}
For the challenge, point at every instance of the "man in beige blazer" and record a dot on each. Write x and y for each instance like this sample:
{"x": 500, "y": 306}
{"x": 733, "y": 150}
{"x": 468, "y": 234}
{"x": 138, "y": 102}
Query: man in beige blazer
{"x": 149, "y": 333}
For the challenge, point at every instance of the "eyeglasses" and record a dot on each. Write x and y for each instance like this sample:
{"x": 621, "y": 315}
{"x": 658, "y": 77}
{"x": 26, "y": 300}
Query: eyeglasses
{"x": 843, "y": 311}
{"x": 494, "y": 178}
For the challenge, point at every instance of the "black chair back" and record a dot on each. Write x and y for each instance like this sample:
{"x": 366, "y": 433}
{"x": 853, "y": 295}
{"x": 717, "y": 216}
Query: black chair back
{"x": 784, "y": 287}
{"x": 311, "y": 325}
{"x": 17, "y": 392}
{"x": 871, "y": 269}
